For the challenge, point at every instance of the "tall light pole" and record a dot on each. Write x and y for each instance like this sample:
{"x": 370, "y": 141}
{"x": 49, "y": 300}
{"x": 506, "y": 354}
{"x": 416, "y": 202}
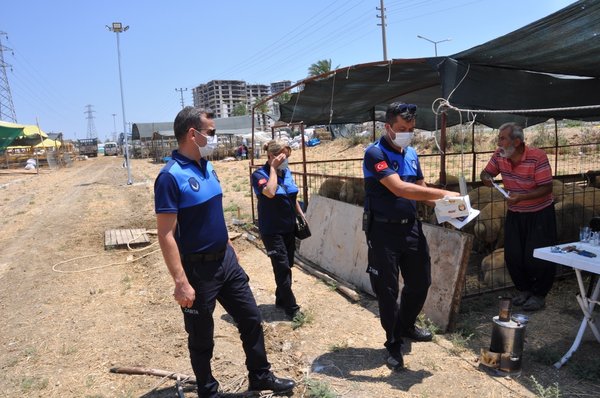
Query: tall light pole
{"x": 117, "y": 27}
{"x": 435, "y": 43}
{"x": 114, "y": 136}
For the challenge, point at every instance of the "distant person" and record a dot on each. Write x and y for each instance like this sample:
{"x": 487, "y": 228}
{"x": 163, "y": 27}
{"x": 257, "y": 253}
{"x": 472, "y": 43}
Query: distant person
{"x": 396, "y": 243}
{"x": 530, "y": 220}
{"x": 195, "y": 245}
{"x": 276, "y": 192}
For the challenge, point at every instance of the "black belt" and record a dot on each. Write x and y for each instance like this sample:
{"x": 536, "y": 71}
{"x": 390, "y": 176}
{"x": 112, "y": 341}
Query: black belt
{"x": 205, "y": 257}
{"x": 392, "y": 220}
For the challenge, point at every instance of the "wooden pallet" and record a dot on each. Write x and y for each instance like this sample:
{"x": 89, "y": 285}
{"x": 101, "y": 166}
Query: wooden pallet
{"x": 117, "y": 238}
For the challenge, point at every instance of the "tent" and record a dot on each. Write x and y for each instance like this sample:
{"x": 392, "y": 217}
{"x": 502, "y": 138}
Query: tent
{"x": 13, "y": 134}
{"x": 48, "y": 143}
{"x": 547, "y": 69}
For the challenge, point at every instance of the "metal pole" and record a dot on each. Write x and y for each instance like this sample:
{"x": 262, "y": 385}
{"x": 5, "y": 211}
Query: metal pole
{"x": 129, "y": 180}
{"x": 383, "y": 38}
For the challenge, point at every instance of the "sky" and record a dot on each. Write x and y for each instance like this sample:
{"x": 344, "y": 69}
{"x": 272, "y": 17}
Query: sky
{"x": 63, "y": 58}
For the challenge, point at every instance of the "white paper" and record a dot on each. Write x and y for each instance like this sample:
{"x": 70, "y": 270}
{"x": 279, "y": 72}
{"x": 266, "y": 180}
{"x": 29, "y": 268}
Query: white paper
{"x": 455, "y": 206}
{"x": 456, "y": 221}
{"x": 460, "y": 222}
{"x": 501, "y": 190}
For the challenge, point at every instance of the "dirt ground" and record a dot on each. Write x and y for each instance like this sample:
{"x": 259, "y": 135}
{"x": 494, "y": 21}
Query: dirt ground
{"x": 72, "y": 310}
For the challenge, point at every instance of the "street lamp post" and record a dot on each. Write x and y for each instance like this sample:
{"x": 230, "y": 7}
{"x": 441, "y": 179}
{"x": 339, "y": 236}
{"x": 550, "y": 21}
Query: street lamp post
{"x": 114, "y": 135}
{"x": 435, "y": 43}
{"x": 118, "y": 27}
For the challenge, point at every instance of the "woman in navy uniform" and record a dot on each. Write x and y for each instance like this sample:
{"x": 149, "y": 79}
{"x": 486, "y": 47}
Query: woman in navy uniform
{"x": 396, "y": 244}
{"x": 201, "y": 260}
{"x": 276, "y": 192}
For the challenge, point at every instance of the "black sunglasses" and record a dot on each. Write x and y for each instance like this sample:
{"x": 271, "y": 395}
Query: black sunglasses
{"x": 406, "y": 111}
{"x": 209, "y": 132}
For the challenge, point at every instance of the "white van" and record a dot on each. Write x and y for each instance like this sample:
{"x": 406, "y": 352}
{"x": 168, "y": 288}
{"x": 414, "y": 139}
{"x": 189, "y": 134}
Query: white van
{"x": 111, "y": 148}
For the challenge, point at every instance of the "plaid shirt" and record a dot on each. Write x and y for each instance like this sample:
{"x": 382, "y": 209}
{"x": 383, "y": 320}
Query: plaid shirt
{"x": 532, "y": 170}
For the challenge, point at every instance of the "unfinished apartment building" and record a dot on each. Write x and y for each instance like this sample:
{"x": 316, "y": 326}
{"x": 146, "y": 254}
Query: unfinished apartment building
{"x": 222, "y": 96}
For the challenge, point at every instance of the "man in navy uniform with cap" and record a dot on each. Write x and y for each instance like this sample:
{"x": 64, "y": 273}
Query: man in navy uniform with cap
{"x": 396, "y": 244}
{"x": 196, "y": 248}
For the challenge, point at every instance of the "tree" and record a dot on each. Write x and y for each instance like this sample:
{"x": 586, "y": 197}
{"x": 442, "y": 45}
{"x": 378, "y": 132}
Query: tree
{"x": 262, "y": 109}
{"x": 320, "y": 67}
{"x": 239, "y": 110}
{"x": 283, "y": 98}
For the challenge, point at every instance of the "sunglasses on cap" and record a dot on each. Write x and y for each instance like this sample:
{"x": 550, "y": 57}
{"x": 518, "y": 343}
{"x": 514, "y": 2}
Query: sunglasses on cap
{"x": 209, "y": 132}
{"x": 406, "y": 111}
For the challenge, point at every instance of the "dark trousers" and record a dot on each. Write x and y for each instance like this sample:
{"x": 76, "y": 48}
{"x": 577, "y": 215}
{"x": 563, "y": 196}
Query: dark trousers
{"x": 224, "y": 281}
{"x": 524, "y": 232}
{"x": 280, "y": 249}
{"x": 395, "y": 249}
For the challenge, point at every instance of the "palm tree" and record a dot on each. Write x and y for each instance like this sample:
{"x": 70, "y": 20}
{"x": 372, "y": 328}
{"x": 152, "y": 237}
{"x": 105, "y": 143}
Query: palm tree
{"x": 320, "y": 67}
{"x": 262, "y": 109}
{"x": 239, "y": 110}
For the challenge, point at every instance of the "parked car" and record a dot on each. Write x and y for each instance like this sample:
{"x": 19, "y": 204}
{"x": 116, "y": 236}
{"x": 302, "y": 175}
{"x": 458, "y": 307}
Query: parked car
{"x": 111, "y": 149}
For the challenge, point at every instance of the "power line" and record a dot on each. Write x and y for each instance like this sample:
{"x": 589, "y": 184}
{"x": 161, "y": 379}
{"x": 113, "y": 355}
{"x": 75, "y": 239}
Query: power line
{"x": 181, "y": 90}
{"x": 7, "y": 108}
{"x": 91, "y": 127}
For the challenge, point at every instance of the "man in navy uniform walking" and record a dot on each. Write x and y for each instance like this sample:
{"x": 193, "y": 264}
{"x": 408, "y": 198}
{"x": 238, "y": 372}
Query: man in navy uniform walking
{"x": 200, "y": 258}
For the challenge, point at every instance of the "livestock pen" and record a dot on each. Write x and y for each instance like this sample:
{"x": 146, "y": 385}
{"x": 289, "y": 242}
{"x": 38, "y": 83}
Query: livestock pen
{"x": 573, "y": 149}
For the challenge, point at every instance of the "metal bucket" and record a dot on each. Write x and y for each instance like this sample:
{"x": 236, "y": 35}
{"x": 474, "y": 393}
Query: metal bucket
{"x": 508, "y": 339}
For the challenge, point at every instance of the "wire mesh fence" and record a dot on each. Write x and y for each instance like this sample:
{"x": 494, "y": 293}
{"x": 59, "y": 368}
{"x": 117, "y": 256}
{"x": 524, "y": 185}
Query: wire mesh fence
{"x": 575, "y": 161}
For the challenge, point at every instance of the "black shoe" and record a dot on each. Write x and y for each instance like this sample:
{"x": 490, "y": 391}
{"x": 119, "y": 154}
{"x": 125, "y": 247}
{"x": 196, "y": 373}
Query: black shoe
{"x": 272, "y": 383}
{"x": 395, "y": 362}
{"x": 418, "y": 334}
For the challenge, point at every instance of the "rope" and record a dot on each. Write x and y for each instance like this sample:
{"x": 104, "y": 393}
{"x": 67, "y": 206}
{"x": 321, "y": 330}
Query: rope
{"x": 294, "y": 110}
{"x": 55, "y": 266}
{"x": 389, "y": 71}
{"x": 331, "y": 103}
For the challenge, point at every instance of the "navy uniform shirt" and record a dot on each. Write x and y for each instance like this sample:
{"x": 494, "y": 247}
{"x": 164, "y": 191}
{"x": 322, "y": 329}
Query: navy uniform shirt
{"x": 276, "y": 215}
{"x": 381, "y": 160}
{"x": 193, "y": 192}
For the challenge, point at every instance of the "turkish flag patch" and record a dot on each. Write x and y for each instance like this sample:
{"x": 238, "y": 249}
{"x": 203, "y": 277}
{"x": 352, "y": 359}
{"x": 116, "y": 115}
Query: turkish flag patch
{"x": 262, "y": 181}
{"x": 381, "y": 166}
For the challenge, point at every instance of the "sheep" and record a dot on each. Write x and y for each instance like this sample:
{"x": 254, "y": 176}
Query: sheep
{"x": 493, "y": 269}
{"x": 330, "y": 188}
{"x": 353, "y": 191}
{"x": 489, "y": 226}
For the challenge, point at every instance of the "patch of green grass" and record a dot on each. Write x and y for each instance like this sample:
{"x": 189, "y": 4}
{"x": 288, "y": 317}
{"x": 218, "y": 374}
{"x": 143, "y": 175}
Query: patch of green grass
{"x": 126, "y": 282}
{"x": 545, "y": 355}
{"x": 425, "y": 323}
{"x": 332, "y": 285}
{"x": 588, "y": 369}
{"x": 341, "y": 345}
{"x": 302, "y": 318}
{"x": 319, "y": 389}
{"x": 545, "y": 392}
{"x": 231, "y": 208}
{"x": 30, "y": 352}
{"x": 459, "y": 341}
{"x": 68, "y": 349}
{"x": 33, "y": 383}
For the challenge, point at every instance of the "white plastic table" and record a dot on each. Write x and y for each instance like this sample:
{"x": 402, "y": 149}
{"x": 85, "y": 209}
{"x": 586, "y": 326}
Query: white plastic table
{"x": 578, "y": 263}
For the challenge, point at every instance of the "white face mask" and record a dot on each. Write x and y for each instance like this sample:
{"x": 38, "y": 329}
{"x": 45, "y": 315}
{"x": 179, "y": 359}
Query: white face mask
{"x": 403, "y": 139}
{"x": 209, "y": 148}
{"x": 283, "y": 165}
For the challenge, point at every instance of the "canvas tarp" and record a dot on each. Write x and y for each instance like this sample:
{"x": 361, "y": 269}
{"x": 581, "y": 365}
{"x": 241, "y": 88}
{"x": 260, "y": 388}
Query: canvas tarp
{"x": 551, "y": 63}
{"x": 13, "y": 134}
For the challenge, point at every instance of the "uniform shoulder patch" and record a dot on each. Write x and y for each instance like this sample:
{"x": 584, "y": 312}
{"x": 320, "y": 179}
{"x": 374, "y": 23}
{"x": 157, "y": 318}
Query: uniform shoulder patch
{"x": 381, "y": 166}
{"x": 194, "y": 184}
{"x": 262, "y": 182}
